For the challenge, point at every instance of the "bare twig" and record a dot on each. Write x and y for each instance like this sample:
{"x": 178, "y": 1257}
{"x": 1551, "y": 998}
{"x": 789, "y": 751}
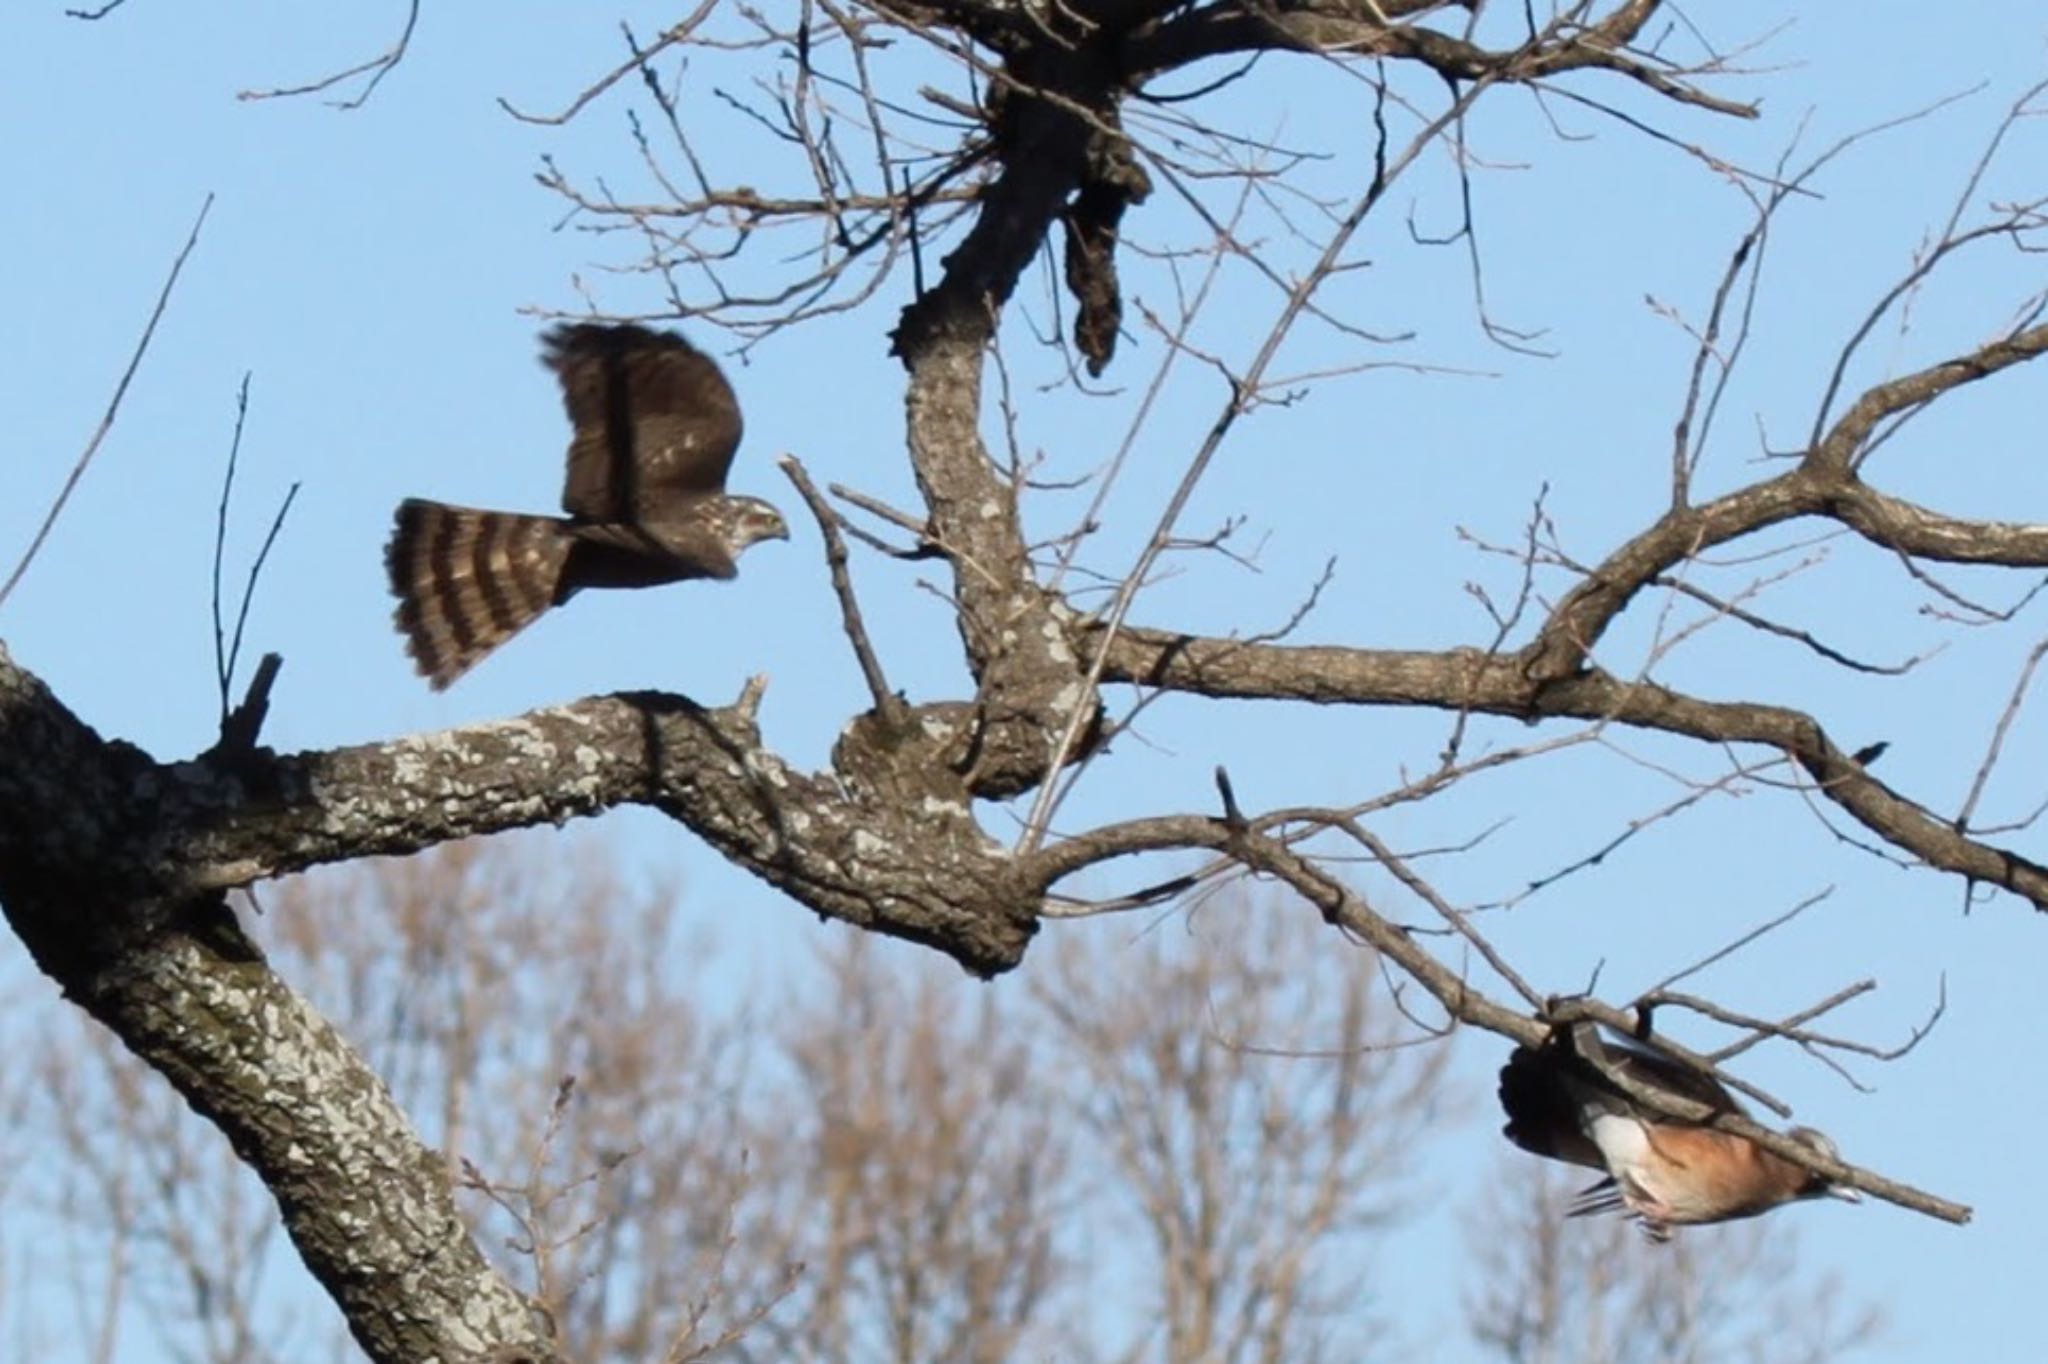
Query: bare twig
{"x": 1999, "y": 731}
{"x": 99, "y": 434}
{"x": 926, "y": 547}
{"x": 249, "y": 588}
{"x": 1635, "y": 826}
{"x": 1720, "y": 953}
{"x": 637, "y": 62}
{"x": 377, "y": 67}
{"x": 1459, "y": 920}
{"x": 887, "y": 703}
{"x": 222, "y": 669}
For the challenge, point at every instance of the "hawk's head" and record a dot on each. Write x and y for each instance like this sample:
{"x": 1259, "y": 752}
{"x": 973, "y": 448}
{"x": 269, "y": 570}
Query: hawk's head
{"x": 742, "y": 521}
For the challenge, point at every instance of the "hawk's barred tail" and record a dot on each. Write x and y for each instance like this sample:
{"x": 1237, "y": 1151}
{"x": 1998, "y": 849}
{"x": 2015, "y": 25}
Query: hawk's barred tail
{"x": 467, "y": 580}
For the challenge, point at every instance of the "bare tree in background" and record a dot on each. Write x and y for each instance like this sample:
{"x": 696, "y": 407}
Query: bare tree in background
{"x": 1254, "y": 1116}
{"x": 1551, "y": 1291}
{"x": 964, "y": 140}
{"x": 919, "y": 1170}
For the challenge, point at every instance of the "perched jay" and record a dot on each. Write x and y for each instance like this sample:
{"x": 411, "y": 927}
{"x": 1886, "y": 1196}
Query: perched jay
{"x": 1664, "y": 1171}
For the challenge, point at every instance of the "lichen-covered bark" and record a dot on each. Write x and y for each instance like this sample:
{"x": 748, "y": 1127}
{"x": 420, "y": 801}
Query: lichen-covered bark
{"x": 367, "y": 1204}
{"x": 87, "y": 884}
{"x": 1029, "y": 681}
{"x": 887, "y": 841}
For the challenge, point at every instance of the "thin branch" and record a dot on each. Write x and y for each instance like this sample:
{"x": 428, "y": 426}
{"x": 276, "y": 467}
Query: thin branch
{"x": 887, "y": 703}
{"x": 256, "y": 572}
{"x": 1789, "y": 1028}
{"x": 1459, "y": 921}
{"x": 92, "y": 446}
{"x": 1635, "y": 826}
{"x": 637, "y": 62}
{"x": 1998, "y": 733}
{"x": 222, "y": 670}
{"x": 378, "y": 66}
{"x": 1745, "y": 940}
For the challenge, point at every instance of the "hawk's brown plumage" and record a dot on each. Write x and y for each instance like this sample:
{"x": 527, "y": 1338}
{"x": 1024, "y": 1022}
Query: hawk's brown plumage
{"x": 656, "y": 427}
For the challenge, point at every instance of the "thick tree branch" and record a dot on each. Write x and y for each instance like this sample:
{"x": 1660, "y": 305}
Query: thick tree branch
{"x": 1838, "y": 450}
{"x": 1824, "y": 483}
{"x": 887, "y": 841}
{"x": 1029, "y": 678}
{"x": 1469, "y": 680}
{"x": 1896, "y": 524}
{"x": 169, "y": 971}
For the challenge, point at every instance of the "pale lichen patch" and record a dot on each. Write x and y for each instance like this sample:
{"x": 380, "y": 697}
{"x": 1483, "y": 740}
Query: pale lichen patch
{"x": 1056, "y": 647}
{"x": 769, "y": 767}
{"x": 937, "y": 806}
{"x": 409, "y": 766}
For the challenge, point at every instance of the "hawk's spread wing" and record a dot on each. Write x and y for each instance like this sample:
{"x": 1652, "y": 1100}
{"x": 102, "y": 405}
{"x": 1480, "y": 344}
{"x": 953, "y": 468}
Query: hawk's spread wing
{"x": 656, "y": 424}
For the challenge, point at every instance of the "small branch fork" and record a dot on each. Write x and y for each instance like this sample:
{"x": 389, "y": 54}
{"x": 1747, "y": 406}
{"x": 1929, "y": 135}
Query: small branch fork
{"x": 376, "y": 69}
{"x": 240, "y": 726}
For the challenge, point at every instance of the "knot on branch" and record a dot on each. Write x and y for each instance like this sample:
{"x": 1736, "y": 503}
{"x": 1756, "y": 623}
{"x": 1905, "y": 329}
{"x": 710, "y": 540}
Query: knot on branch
{"x": 887, "y": 841}
{"x": 921, "y": 757}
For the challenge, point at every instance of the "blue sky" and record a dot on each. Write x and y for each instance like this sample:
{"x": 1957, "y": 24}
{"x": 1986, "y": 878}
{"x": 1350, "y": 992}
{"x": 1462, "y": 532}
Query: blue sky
{"x": 376, "y": 270}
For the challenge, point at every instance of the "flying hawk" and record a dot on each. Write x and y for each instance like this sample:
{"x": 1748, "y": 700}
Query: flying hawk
{"x": 656, "y": 426}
